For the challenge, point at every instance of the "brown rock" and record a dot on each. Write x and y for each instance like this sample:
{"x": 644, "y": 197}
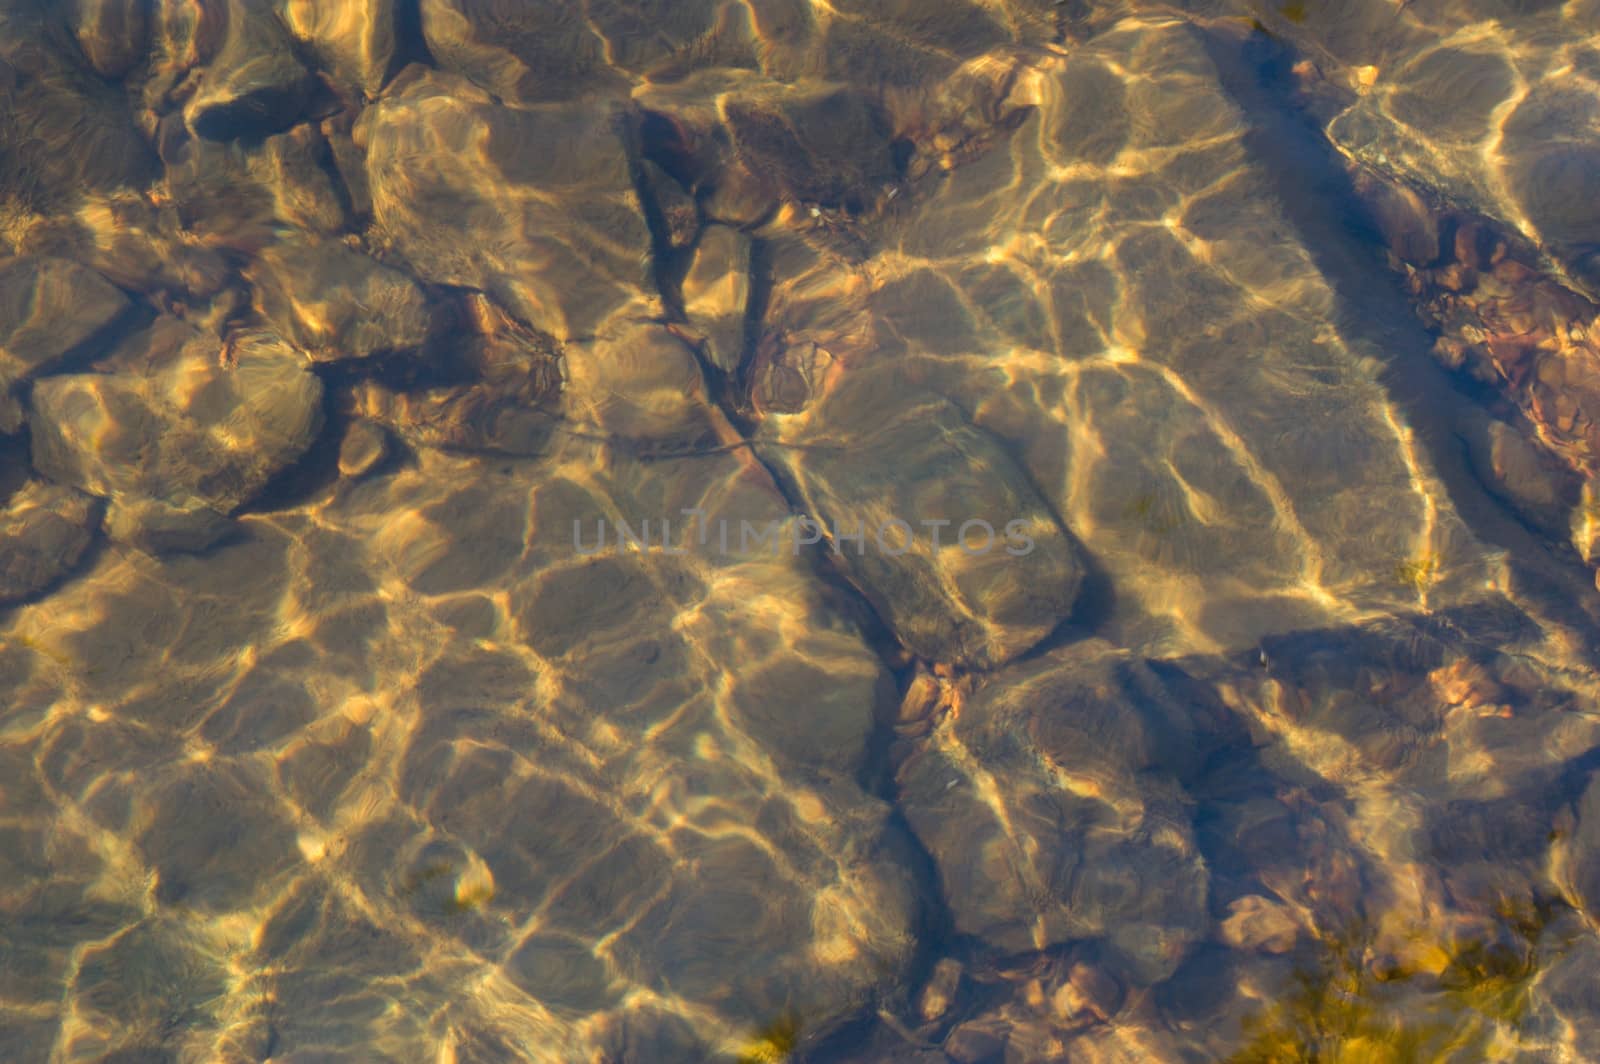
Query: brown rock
{"x": 49, "y": 309}
{"x": 525, "y": 51}
{"x": 941, "y": 989}
{"x": 336, "y": 303}
{"x": 112, "y": 33}
{"x": 255, "y": 85}
{"x": 44, "y": 531}
{"x": 716, "y": 292}
{"x": 189, "y": 431}
{"x": 975, "y": 1043}
{"x": 1089, "y": 994}
{"x": 637, "y": 381}
{"x": 1258, "y": 923}
{"x": 469, "y": 194}
{"x": 161, "y": 528}
{"x": 364, "y": 447}
{"x": 354, "y": 40}
{"x": 290, "y": 166}
{"x": 1407, "y": 225}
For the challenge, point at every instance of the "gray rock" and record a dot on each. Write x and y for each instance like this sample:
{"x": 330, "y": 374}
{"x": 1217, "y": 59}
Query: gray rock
{"x": 364, "y": 447}
{"x": 716, "y": 292}
{"x": 1583, "y": 852}
{"x": 469, "y": 194}
{"x": 63, "y": 130}
{"x": 113, "y": 34}
{"x": 1051, "y": 811}
{"x": 160, "y": 528}
{"x": 353, "y": 40}
{"x": 290, "y": 166}
{"x": 188, "y": 431}
{"x": 638, "y": 382}
{"x": 1531, "y": 481}
{"x": 978, "y": 570}
{"x": 336, "y": 303}
{"x": 44, "y": 531}
{"x": 828, "y": 146}
{"x": 255, "y": 85}
{"x": 50, "y": 310}
{"x": 525, "y": 51}
{"x": 536, "y": 51}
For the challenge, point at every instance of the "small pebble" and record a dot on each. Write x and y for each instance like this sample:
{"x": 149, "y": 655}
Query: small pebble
{"x": 365, "y": 446}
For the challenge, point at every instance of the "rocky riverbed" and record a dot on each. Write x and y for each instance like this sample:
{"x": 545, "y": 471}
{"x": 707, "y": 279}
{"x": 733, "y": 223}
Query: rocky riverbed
{"x": 750, "y": 530}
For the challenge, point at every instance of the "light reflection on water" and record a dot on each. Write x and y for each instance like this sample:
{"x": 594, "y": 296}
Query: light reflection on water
{"x": 324, "y": 738}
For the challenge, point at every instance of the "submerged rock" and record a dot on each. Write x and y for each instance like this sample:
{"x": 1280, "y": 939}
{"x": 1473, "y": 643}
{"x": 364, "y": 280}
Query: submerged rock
{"x": 44, "y": 531}
{"x": 354, "y": 40}
{"x": 161, "y": 528}
{"x": 63, "y": 131}
{"x": 1582, "y": 852}
{"x": 1505, "y": 320}
{"x": 1497, "y": 133}
{"x": 365, "y": 447}
{"x": 525, "y": 51}
{"x": 143, "y": 248}
{"x": 113, "y": 34}
{"x": 50, "y": 310}
{"x": 290, "y": 166}
{"x": 537, "y": 51}
{"x": 254, "y": 85}
{"x": 1051, "y": 808}
{"x": 1531, "y": 480}
{"x": 188, "y": 430}
{"x": 637, "y": 382}
{"x": 336, "y": 303}
{"x": 468, "y": 194}
{"x": 952, "y": 545}
{"x": 492, "y": 386}
{"x": 827, "y": 146}
{"x": 716, "y": 293}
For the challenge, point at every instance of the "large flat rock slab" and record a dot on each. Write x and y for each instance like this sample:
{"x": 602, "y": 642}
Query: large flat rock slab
{"x": 1151, "y": 335}
{"x": 618, "y": 788}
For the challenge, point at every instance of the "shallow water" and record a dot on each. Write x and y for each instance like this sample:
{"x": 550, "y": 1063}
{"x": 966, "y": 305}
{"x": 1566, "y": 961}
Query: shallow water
{"x": 755, "y": 530}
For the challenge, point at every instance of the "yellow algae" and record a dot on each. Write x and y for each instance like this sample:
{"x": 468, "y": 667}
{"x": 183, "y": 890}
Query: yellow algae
{"x": 773, "y": 1043}
{"x": 1418, "y": 573}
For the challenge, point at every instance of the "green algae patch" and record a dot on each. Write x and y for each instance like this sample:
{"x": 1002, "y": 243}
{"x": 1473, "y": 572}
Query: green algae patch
{"x": 1453, "y": 1002}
